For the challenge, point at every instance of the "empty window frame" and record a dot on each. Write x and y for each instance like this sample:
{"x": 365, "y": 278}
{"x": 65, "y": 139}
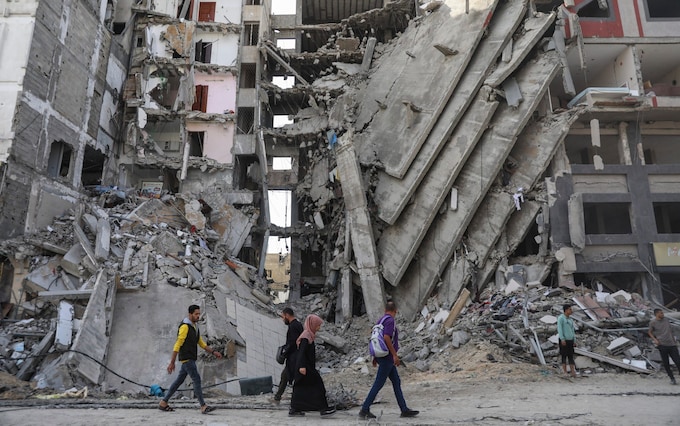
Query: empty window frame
{"x": 283, "y": 81}
{"x": 245, "y": 121}
{"x": 580, "y": 149}
{"x": 662, "y": 9}
{"x": 251, "y": 33}
{"x": 247, "y": 78}
{"x": 282, "y": 163}
{"x": 667, "y": 216}
{"x": 286, "y": 43}
{"x": 93, "y": 166}
{"x": 59, "y": 162}
{"x": 203, "y": 52}
{"x": 661, "y": 149}
{"x": 281, "y": 120}
{"x": 206, "y": 11}
{"x": 607, "y": 218}
{"x": 189, "y": 9}
{"x": 196, "y": 140}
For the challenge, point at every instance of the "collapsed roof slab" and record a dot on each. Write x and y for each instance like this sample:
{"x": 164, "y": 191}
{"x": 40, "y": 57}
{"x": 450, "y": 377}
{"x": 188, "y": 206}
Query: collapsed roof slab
{"x": 415, "y": 80}
{"x": 392, "y": 194}
{"x": 474, "y": 181}
{"x": 532, "y": 30}
{"x": 412, "y": 225}
{"x": 533, "y": 153}
{"x": 515, "y": 232}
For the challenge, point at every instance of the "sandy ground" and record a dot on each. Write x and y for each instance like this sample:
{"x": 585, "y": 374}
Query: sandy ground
{"x": 497, "y": 394}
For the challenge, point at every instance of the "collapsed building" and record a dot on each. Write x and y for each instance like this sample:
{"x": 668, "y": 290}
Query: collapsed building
{"x": 416, "y": 162}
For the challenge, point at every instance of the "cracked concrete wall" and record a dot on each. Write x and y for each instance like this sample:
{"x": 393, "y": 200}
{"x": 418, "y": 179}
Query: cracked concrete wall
{"x": 61, "y": 100}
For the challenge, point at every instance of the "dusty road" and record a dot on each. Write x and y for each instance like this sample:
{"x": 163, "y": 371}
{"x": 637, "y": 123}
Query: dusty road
{"x": 546, "y": 399}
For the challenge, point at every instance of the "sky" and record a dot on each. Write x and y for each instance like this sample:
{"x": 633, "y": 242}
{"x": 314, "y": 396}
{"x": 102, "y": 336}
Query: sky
{"x": 283, "y": 7}
{"x": 279, "y": 201}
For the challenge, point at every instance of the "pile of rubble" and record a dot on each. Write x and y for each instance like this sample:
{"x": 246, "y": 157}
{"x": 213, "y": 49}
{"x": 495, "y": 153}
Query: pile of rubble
{"x": 66, "y": 276}
{"x": 74, "y": 268}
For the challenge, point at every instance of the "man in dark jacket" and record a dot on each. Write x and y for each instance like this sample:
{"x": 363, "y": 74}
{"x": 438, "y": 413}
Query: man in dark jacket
{"x": 188, "y": 336}
{"x": 294, "y": 331}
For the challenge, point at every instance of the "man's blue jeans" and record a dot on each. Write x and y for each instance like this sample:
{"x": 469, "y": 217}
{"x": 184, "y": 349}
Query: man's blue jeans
{"x": 188, "y": 367}
{"x": 386, "y": 368}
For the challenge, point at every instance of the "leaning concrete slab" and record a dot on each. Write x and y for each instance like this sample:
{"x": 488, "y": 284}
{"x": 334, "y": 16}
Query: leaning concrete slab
{"x": 533, "y": 153}
{"x": 515, "y": 231}
{"x": 392, "y": 194}
{"x": 415, "y": 80}
{"x": 361, "y": 229}
{"x": 476, "y": 177}
{"x": 93, "y": 336}
{"x": 533, "y": 29}
{"x": 410, "y": 229}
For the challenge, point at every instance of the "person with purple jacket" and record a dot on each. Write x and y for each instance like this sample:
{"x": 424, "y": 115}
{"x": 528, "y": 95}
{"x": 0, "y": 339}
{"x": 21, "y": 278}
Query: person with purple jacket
{"x": 387, "y": 367}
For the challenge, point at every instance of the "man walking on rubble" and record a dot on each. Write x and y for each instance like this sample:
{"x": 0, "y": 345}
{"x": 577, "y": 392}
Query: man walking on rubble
{"x": 188, "y": 336}
{"x": 566, "y": 334}
{"x": 662, "y": 336}
{"x": 387, "y": 367}
{"x": 294, "y": 331}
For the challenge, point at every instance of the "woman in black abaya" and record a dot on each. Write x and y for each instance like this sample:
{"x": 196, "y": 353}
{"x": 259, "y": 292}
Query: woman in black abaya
{"x": 309, "y": 392}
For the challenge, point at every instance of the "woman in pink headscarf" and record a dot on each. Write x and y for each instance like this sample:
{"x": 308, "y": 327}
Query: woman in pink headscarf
{"x": 309, "y": 392}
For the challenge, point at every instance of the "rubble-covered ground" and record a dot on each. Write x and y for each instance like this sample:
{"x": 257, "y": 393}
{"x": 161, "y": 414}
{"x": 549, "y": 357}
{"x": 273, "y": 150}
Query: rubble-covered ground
{"x": 474, "y": 365}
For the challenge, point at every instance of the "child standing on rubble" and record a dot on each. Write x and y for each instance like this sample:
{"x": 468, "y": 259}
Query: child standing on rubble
{"x": 566, "y": 334}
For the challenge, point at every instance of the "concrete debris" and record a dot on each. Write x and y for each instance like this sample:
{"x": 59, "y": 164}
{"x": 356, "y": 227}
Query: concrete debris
{"x": 152, "y": 243}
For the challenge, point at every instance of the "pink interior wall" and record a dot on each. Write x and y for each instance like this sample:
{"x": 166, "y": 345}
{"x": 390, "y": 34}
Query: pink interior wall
{"x": 221, "y": 91}
{"x": 219, "y": 139}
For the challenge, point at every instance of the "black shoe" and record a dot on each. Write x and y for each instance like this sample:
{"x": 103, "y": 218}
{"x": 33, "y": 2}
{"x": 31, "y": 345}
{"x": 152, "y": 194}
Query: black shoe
{"x": 328, "y": 412}
{"x": 673, "y": 382}
{"x": 295, "y": 413}
{"x": 409, "y": 413}
{"x": 365, "y": 415}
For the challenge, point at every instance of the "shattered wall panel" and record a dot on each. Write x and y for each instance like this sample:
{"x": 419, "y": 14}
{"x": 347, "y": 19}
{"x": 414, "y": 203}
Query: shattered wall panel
{"x": 414, "y": 82}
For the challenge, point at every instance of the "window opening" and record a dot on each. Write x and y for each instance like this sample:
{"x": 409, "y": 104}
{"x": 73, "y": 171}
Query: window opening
{"x": 607, "y": 218}
{"x": 245, "y": 121}
{"x": 203, "y": 52}
{"x": 251, "y": 34}
{"x": 282, "y": 163}
{"x": 196, "y": 144}
{"x": 662, "y": 9}
{"x": 93, "y": 166}
{"x": 59, "y": 163}
{"x": 667, "y": 216}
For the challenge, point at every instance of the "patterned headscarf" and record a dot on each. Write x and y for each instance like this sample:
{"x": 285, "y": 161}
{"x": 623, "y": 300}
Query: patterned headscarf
{"x": 311, "y": 323}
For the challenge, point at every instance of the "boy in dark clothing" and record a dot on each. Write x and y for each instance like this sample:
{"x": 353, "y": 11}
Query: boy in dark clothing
{"x": 662, "y": 336}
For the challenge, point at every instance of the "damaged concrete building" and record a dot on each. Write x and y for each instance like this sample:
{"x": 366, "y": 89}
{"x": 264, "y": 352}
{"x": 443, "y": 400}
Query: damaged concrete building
{"x": 394, "y": 156}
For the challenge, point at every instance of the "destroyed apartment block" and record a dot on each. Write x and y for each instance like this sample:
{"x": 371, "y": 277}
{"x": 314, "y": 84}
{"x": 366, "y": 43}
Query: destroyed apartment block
{"x": 481, "y": 177}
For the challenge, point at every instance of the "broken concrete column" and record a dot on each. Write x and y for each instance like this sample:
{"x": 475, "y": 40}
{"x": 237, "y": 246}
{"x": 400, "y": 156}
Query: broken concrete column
{"x": 64, "y": 334}
{"x": 360, "y": 225}
{"x": 102, "y": 243}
